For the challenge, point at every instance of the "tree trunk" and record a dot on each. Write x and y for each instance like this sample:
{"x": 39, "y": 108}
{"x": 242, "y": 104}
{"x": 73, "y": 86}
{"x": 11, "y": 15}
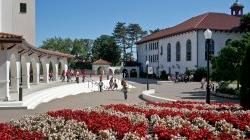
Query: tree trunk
{"x": 131, "y": 53}
{"x": 124, "y": 54}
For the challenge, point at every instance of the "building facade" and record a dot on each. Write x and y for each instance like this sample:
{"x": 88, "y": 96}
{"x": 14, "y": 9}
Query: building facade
{"x": 18, "y": 17}
{"x": 182, "y": 47}
{"x": 21, "y": 63}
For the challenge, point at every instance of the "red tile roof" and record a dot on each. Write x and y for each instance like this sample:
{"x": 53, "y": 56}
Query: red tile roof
{"x": 213, "y": 21}
{"x": 12, "y": 38}
{"x": 7, "y": 37}
{"x": 49, "y": 52}
{"x": 101, "y": 62}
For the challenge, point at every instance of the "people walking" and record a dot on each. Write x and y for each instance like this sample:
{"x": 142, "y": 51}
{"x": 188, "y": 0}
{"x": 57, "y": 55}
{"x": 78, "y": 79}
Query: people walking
{"x": 124, "y": 88}
{"x": 83, "y": 76}
{"x": 63, "y": 75}
{"x": 77, "y": 76}
{"x": 115, "y": 85}
{"x": 72, "y": 75}
{"x": 100, "y": 85}
{"x": 50, "y": 76}
{"x": 68, "y": 75}
{"x": 203, "y": 81}
{"x": 111, "y": 84}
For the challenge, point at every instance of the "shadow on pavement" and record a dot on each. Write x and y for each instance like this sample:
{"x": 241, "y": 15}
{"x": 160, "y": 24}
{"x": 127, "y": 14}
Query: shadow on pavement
{"x": 201, "y": 95}
{"x": 142, "y": 80}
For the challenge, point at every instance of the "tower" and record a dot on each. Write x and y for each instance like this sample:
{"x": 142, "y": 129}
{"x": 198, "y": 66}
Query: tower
{"x": 237, "y": 9}
{"x": 18, "y": 17}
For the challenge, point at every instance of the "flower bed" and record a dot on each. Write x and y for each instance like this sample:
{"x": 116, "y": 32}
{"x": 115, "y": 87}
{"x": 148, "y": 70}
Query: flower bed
{"x": 173, "y": 120}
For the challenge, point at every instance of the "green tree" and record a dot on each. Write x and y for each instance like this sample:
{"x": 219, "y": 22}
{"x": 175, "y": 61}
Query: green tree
{"x": 106, "y": 48}
{"x": 245, "y": 23}
{"x": 226, "y": 66}
{"x": 126, "y": 36}
{"x": 89, "y": 46}
{"x": 58, "y": 44}
{"x": 245, "y": 81}
{"x": 154, "y": 31}
{"x": 135, "y": 33}
{"x": 120, "y": 35}
{"x": 79, "y": 48}
{"x": 199, "y": 74}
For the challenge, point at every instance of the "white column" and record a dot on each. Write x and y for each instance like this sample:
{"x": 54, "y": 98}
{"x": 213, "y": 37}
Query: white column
{"x": 15, "y": 77}
{"x": 55, "y": 72}
{"x": 26, "y": 75}
{"x": 4, "y": 77}
{"x": 46, "y": 72}
{"x": 65, "y": 68}
{"x": 36, "y": 73}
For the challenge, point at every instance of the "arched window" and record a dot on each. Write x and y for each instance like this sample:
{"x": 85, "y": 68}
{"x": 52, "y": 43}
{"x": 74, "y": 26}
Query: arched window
{"x": 178, "y": 51}
{"x": 188, "y": 50}
{"x": 211, "y": 49}
{"x": 169, "y": 52}
{"x": 161, "y": 50}
{"x": 227, "y": 42}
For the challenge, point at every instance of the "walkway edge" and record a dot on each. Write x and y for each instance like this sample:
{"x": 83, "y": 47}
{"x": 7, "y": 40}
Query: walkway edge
{"x": 148, "y": 96}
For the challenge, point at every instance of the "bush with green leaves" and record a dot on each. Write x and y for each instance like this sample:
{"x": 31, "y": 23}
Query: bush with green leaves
{"x": 245, "y": 81}
{"x": 199, "y": 74}
{"x": 225, "y": 89}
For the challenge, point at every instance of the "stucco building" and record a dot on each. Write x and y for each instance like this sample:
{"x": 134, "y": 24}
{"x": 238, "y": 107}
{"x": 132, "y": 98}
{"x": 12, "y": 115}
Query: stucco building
{"x": 21, "y": 63}
{"x": 182, "y": 47}
{"x": 18, "y": 17}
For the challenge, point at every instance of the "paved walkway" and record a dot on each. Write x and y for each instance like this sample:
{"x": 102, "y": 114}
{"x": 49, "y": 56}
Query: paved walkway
{"x": 181, "y": 91}
{"x": 185, "y": 91}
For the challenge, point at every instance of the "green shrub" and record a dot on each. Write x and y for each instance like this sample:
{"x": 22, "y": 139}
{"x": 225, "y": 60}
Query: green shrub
{"x": 245, "y": 81}
{"x": 199, "y": 74}
{"x": 225, "y": 89}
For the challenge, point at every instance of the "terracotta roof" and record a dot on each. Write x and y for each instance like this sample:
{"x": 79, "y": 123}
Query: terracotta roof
{"x": 213, "y": 21}
{"x": 49, "y": 52}
{"x": 7, "y": 37}
{"x": 101, "y": 62}
{"x": 56, "y": 53}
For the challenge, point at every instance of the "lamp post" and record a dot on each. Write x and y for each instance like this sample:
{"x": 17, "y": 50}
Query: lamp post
{"x": 208, "y": 36}
{"x": 147, "y": 63}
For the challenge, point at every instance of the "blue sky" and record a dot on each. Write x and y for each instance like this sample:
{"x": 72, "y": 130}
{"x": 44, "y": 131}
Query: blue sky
{"x": 92, "y": 18}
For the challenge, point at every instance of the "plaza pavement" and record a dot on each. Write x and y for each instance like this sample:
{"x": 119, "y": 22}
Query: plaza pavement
{"x": 180, "y": 91}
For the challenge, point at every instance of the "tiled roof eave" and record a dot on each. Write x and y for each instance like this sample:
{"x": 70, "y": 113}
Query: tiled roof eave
{"x": 7, "y": 40}
{"x": 48, "y": 52}
{"x": 182, "y": 32}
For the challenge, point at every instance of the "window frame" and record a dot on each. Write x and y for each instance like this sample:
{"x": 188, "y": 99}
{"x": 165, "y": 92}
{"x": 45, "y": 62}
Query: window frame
{"x": 169, "y": 52}
{"x": 23, "y": 8}
{"x": 189, "y": 50}
{"x": 178, "y": 51}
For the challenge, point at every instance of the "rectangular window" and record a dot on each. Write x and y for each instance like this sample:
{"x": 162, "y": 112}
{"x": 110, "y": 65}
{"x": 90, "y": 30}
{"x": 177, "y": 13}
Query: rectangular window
{"x": 178, "y": 53}
{"x": 169, "y": 54}
{"x": 23, "y": 7}
{"x": 161, "y": 50}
